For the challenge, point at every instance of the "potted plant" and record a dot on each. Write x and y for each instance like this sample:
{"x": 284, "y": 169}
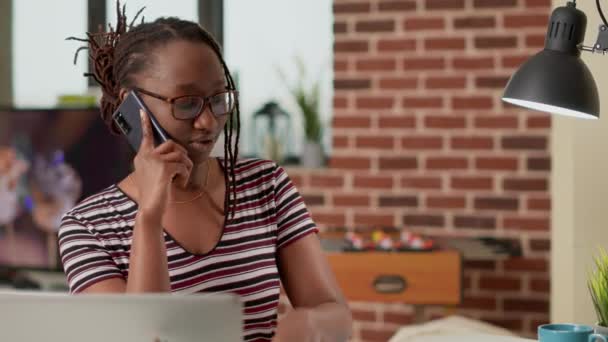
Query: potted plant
{"x": 307, "y": 98}
{"x": 598, "y": 288}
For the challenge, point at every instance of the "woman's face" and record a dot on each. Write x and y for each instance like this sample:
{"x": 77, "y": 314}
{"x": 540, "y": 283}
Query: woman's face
{"x": 185, "y": 68}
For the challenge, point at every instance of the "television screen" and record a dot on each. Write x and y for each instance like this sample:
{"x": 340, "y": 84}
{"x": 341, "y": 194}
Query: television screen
{"x": 49, "y": 161}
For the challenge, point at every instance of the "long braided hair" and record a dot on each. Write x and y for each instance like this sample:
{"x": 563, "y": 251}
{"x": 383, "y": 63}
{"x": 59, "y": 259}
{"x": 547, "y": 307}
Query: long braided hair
{"x": 124, "y": 51}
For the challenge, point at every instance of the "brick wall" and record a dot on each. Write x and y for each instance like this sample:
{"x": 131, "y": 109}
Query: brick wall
{"x": 421, "y": 141}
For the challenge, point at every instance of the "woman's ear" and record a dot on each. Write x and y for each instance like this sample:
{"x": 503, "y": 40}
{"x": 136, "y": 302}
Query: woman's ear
{"x": 122, "y": 94}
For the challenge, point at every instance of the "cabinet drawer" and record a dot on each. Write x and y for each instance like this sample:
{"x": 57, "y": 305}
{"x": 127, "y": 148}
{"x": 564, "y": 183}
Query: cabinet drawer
{"x": 412, "y": 278}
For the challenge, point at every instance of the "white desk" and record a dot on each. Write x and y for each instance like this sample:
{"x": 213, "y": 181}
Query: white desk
{"x": 468, "y": 338}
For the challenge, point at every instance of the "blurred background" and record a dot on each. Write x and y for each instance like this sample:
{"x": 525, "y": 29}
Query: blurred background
{"x": 401, "y": 139}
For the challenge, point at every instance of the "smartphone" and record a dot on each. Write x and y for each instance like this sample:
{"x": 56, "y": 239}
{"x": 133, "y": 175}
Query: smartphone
{"x": 127, "y": 119}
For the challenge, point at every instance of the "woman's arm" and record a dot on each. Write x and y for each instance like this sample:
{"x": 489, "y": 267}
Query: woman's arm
{"x": 148, "y": 268}
{"x": 320, "y": 311}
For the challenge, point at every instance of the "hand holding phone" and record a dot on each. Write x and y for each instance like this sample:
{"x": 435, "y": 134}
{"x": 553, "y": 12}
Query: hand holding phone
{"x": 155, "y": 169}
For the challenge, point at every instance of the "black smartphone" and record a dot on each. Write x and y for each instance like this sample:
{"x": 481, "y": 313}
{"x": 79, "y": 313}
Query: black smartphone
{"x": 127, "y": 119}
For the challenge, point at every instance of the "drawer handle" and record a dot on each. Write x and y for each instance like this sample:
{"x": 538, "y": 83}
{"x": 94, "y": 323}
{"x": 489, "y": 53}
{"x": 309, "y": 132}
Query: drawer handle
{"x": 390, "y": 283}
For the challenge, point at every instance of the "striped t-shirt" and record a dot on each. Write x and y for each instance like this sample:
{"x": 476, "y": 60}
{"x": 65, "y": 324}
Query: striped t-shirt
{"x": 95, "y": 242}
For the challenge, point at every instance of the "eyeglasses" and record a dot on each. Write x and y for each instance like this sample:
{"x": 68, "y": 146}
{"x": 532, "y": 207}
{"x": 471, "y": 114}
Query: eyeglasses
{"x": 188, "y": 107}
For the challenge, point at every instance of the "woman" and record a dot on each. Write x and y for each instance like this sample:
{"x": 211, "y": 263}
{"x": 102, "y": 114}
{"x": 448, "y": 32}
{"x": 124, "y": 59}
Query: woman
{"x": 183, "y": 221}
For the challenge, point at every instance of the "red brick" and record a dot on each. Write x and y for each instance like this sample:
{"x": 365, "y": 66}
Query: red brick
{"x": 494, "y": 3}
{"x": 474, "y": 22}
{"x": 445, "y": 121}
{"x": 340, "y": 27}
{"x": 397, "y": 122}
{"x": 378, "y": 334}
{"x": 398, "y": 201}
{"x": 400, "y": 318}
{"x": 497, "y": 163}
{"x": 526, "y": 305}
{"x": 525, "y": 184}
{"x": 535, "y": 40}
{"x": 340, "y": 65}
{"x": 422, "y": 142}
{"x": 411, "y": 182}
{"x": 352, "y": 7}
{"x": 513, "y": 61}
{"x": 496, "y": 203}
{"x": 444, "y": 4}
{"x": 447, "y": 163}
{"x": 369, "y": 102}
{"x": 366, "y": 26}
{"x": 525, "y": 20}
{"x": 541, "y": 204}
{"x": 352, "y": 83}
{"x": 471, "y": 183}
{"x": 326, "y": 181}
{"x": 446, "y": 83}
{"x": 374, "y": 220}
{"x": 373, "y": 182}
{"x": 364, "y": 315}
{"x": 422, "y": 102}
{"x": 499, "y": 283}
{"x": 396, "y": 45}
{"x": 398, "y": 83}
{"x": 340, "y": 141}
{"x": 375, "y": 142}
{"x": 350, "y": 163}
{"x": 473, "y": 63}
{"x": 543, "y": 121}
{"x": 298, "y": 180}
{"x": 540, "y": 245}
{"x": 350, "y": 200}
{"x": 491, "y": 82}
{"x": 446, "y": 202}
{"x": 426, "y": 63}
{"x": 352, "y": 46}
{"x": 398, "y": 163}
{"x": 496, "y": 122}
{"x": 523, "y": 264}
{"x": 472, "y": 102}
{"x": 399, "y": 5}
{"x": 351, "y": 122}
{"x": 540, "y": 285}
{"x": 529, "y": 224}
{"x": 495, "y": 42}
{"x": 376, "y": 64}
{"x": 483, "y": 265}
{"x": 474, "y": 222}
{"x": 538, "y": 3}
{"x": 444, "y": 44}
{"x": 472, "y": 143}
{"x": 340, "y": 102}
{"x": 524, "y": 142}
{"x": 422, "y": 220}
{"x": 479, "y": 303}
{"x": 313, "y": 200}
{"x": 332, "y": 219}
{"x": 426, "y": 23}
{"x": 539, "y": 163}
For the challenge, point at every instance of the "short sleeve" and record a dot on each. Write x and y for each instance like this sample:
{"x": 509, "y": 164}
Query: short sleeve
{"x": 84, "y": 258}
{"x": 293, "y": 218}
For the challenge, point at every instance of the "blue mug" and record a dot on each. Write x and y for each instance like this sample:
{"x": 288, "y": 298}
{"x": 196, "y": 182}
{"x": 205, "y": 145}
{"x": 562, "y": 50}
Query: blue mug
{"x": 568, "y": 333}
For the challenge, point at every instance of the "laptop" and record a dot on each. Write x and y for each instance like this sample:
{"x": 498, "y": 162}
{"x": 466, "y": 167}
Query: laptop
{"x": 50, "y": 317}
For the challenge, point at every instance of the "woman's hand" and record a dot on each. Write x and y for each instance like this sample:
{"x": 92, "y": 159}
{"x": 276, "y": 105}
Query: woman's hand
{"x": 155, "y": 170}
{"x": 297, "y": 326}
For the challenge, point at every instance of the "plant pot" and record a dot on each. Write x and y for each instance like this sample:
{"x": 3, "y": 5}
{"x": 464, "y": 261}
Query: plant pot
{"x": 312, "y": 155}
{"x": 602, "y": 330}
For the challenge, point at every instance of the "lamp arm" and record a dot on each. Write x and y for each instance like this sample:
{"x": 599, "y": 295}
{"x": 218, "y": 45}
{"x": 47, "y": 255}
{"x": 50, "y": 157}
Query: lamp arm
{"x": 601, "y": 43}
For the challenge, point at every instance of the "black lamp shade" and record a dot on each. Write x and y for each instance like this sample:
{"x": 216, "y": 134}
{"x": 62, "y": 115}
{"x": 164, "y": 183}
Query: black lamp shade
{"x": 556, "y": 80}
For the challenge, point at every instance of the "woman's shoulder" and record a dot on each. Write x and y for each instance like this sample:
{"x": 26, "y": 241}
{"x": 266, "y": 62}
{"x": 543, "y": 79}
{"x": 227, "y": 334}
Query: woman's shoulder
{"x": 100, "y": 203}
{"x": 249, "y": 166}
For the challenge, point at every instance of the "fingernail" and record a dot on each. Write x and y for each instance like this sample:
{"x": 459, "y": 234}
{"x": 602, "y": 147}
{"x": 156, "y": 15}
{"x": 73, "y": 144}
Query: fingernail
{"x": 141, "y": 113}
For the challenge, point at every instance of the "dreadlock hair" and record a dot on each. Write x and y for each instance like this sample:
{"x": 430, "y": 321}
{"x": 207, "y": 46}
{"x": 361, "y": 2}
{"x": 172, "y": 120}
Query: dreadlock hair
{"x": 124, "y": 51}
